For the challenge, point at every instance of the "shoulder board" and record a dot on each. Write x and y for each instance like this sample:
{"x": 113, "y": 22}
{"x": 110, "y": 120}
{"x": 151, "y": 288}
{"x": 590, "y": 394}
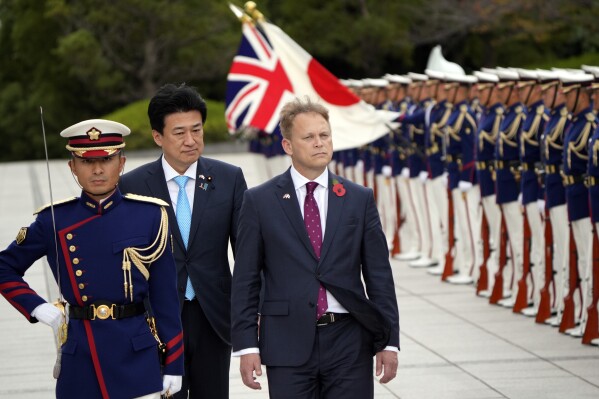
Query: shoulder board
{"x": 143, "y": 198}
{"x": 61, "y": 202}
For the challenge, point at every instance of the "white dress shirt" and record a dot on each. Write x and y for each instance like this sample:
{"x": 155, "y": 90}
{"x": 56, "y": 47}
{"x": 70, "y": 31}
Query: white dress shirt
{"x": 173, "y": 187}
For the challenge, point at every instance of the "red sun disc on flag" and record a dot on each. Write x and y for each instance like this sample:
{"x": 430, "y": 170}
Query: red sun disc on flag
{"x": 328, "y": 87}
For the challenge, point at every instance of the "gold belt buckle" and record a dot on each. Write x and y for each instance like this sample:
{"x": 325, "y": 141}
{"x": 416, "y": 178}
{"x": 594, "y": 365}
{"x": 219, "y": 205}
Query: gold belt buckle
{"x": 103, "y": 312}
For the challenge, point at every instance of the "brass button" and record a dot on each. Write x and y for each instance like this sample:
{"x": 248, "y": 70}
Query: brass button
{"x": 81, "y": 286}
{"x": 79, "y": 273}
{"x": 72, "y": 248}
{"x": 69, "y": 236}
{"x": 84, "y": 298}
{"x": 75, "y": 261}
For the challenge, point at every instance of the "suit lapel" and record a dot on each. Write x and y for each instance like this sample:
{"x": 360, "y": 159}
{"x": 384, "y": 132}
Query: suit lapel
{"x": 201, "y": 196}
{"x": 334, "y": 212}
{"x": 156, "y": 183}
{"x": 286, "y": 196}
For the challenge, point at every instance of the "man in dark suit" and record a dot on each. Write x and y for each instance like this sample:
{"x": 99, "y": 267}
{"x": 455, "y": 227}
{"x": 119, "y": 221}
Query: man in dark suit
{"x": 305, "y": 239}
{"x": 210, "y": 192}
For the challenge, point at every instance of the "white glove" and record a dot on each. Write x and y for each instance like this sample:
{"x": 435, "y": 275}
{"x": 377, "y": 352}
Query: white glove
{"x": 541, "y": 206}
{"x": 49, "y": 315}
{"x": 464, "y": 185}
{"x": 423, "y": 176}
{"x": 405, "y": 173}
{"x": 387, "y": 171}
{"x": 171, "y": 383}
{"x": 445, "y": 179}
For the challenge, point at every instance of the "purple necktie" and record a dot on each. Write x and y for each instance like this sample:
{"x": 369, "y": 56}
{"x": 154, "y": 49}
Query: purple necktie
{"x": 314, "y": 229}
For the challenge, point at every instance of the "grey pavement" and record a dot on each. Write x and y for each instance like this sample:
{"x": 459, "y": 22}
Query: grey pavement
{"x": 453, "y": 344}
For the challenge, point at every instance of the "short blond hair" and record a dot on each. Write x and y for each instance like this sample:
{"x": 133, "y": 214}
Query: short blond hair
{"x": 296, "y": 107}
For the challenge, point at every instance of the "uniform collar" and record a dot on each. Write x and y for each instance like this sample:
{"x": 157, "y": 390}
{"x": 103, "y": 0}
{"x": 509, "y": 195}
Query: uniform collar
{"x": 105, "y": 206}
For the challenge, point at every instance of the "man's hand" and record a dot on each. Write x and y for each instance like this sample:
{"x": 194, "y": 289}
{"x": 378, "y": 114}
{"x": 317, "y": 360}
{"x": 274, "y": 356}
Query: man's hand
{"x": 251, "y": 363}
{"x": 171, "y": 384}
{"x": 386, "y": 361}
{"x": 48, "y": 314}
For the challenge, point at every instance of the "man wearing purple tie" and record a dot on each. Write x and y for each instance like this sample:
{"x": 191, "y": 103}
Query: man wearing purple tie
{"x": 299, "y": 306}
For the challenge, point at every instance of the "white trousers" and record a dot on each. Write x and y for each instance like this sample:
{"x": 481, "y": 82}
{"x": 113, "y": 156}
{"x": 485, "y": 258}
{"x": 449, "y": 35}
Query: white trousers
{"x": 473, "y": 207}
{"x": 583, "y": 237}
{"x": 561, "y": 255}
{"x": 359, "y": 172}
{"x": 464, "y": 254}
{"x": 514, "y": 223}
{"x": 436, "y": 194}
{"x": 493, "y": 216}
{"x": 370, "y": 179}
{"x": 349, "y": 173}
{"x": 420, "y": 205}
{"x": 537, "y": 251}
{"x": 385, "y": 202}
{"x": 409, "y": 235}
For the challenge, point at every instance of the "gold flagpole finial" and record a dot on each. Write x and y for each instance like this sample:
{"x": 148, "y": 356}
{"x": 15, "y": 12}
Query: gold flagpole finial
{"x": 240, "y": 14}
{"x": 250, "y": 8}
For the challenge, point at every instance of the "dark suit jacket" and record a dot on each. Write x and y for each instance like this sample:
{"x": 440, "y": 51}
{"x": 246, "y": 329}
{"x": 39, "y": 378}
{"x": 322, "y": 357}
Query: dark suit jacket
{"x": 272, "y": 240}
{"x": 213, "y": 224}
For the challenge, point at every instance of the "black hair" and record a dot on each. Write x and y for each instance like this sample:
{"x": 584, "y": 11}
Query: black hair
{"x": 170, "y": 99}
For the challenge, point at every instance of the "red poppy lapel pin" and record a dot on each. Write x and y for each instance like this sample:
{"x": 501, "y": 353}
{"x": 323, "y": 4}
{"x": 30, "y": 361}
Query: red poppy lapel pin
{"x": 338, "y": 188}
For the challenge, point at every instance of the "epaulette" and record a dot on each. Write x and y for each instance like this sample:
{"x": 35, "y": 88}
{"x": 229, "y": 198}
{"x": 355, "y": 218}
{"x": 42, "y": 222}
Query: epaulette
{"x": 143, "y": 198}
{"x": 61, "y": 202}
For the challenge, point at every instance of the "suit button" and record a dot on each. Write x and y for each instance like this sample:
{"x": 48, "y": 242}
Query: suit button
{"x": 69, "y": 236}
{"x": 311, "y": 304}
{"x": 72, "y": 248}
{"x": 84, "y": 298}
{"x": 75, "y": 261}
{"x": 81, "y": 286}
{"x": 182, "y": 289}
{"x": 79, "y": 273}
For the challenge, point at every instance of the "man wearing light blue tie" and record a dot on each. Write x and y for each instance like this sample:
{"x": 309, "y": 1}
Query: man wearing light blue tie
{"x": 206, "y": 197}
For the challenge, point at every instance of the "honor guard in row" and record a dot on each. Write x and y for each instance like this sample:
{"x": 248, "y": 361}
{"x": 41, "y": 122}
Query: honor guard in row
{"x": 495, "y": 184}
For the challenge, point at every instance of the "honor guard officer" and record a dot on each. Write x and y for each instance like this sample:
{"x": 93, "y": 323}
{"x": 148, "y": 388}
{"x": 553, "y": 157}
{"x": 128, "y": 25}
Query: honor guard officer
{"x": 397, "y": 158}
{"x": 111, "y": 257}
{"x": 385, "y": 192}
{"x": 532, "y": 193}
{"x": 552, "y": 145}
{"x": 459, "y": 142}
{"x": 591, "y": 333}
{"x": 507, "y": 163}
{"x": 436, "y": 118}
{"x": 400, "y": 149}
{"x": 413, "y": 127}
{"x": 486, "y": 137}
{"x": 575, "y": 159}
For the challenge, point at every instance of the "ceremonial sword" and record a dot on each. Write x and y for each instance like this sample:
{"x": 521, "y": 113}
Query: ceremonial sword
{"x": 60, "y": 302}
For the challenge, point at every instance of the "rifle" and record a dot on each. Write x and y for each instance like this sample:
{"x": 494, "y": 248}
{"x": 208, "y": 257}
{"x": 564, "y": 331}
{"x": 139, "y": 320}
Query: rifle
{"x": 497, "y": 293}
{"x": 568, "y": 318}
{"x": 591, "y": 330}
{"x": 483, "y": 278}
{"x": 396, "y": 240}
{"x": 448, "y": 270}
{"x": 545, "y": 301}
{"x": 522, "y": 296}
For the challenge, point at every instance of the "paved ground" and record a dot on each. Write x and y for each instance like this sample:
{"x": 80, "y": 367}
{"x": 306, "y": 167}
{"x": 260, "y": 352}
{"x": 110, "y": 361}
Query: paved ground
{"x": 454, "y": 345}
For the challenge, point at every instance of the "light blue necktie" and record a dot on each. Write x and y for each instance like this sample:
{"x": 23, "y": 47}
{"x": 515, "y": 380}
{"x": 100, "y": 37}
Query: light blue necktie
{"x": 184, "y": 222}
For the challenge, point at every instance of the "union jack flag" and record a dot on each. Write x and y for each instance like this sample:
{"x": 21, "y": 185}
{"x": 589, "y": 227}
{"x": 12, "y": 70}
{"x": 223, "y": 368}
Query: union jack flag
{"x": 257, "y": 84}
